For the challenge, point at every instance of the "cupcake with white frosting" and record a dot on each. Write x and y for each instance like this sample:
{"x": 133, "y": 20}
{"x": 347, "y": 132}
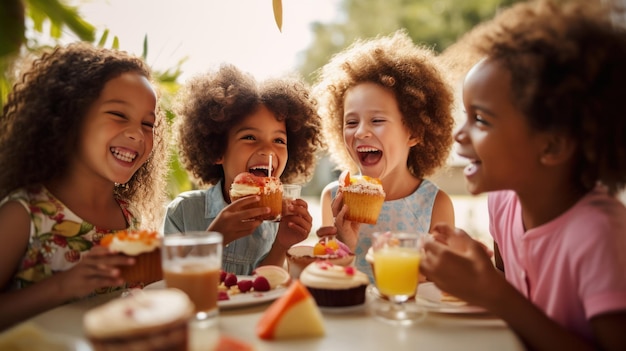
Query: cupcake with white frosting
{"x": 335, "y": 286}
{"x": 145, "y": 247}
{"x": 269, "y": 190}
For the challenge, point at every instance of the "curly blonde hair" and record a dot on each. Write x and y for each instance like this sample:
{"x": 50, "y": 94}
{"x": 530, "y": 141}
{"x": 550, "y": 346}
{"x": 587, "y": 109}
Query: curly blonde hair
{"x": 411, "y": 72}
{"x": 568, "y": 67}
{"x": 211, "y": 104}
{"x": 41, "y": 122}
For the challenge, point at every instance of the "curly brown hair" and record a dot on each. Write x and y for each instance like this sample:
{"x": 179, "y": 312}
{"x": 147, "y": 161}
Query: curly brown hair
{"x": 411, "y": 72}
{"x": 41, "y": 122}
{"x": 568, "y": 68}
{"x": 211, "y": 104}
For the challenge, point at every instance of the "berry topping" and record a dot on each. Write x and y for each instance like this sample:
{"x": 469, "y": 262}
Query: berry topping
{"x": 244, "y": 285}
{"x": 222, "y": 275}
{"x": 261, "y": 284}
{"x": 249, "y": 178}
{"x": 222, "y": 296}
{"x": 230, "y": 280}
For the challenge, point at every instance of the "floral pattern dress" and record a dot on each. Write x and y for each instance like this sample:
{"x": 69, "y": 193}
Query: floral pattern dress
{"x": 58, "y": 237}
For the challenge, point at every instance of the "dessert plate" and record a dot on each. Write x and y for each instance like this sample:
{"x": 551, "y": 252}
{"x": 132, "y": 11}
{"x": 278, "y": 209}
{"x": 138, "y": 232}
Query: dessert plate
{"x": 430, "y": 298}
{"x": 238, "y": 300}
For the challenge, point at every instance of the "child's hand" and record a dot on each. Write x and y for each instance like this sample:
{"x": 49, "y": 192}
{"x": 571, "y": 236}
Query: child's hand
{"x": 347, "y": 231}
{"x": 235, "y": 222}
{"x": 326, "y": 231}
{"x": 295, "y": 226}
{"x": 96, "y": 269}
{"x": 461, "y": 268}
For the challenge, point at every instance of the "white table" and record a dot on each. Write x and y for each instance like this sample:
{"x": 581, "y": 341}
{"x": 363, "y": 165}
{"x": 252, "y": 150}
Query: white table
{"x": 355, "y": 329}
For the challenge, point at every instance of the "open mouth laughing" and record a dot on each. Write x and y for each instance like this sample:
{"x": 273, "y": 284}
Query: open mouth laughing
{"x": 260, "y": 171}
{"x": 368, "y": 155}
{"x": 124, "y": 155}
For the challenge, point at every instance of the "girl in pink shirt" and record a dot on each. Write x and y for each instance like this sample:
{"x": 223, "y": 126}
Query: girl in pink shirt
{"x": 544, "y": 133}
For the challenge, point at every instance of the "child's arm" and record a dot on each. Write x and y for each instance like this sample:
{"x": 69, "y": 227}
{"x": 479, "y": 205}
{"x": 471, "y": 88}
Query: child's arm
{"x": 293, "y": 228}
{"x": 463, "y": 268}
{"x": 333, "y": 214}
{"x": 443, "y": 210}
{"x": 95, "y": 270}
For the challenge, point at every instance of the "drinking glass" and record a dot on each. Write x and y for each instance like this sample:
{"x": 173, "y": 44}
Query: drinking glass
{"x": 291, "y": 192}
{"x": 396, "y": 271}
{"x": 192, "y": 262}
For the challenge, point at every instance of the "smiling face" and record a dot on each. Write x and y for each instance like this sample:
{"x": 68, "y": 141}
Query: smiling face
{"x": 250, "y": 143}
{"x": 116, "y": 137}
{"x": 373, "y": 131}
{"x": 503, "y": 151}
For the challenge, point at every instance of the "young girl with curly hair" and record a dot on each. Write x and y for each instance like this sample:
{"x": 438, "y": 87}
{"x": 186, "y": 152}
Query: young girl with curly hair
{"x": 386, "y": 112}
{"x": 229, "y": 123}
{"x": 80, "y": 121}
{"x": 545, "y": 136}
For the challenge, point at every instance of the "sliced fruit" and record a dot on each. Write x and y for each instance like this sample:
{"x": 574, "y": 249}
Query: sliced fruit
{"x": 293, "y": 315}
{"x": 275, "y": 275}
{"x": 344, "y": 178}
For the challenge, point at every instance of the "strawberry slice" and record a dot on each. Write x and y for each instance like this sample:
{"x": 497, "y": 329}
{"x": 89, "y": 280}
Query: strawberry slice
{"x": 344, "y": 178}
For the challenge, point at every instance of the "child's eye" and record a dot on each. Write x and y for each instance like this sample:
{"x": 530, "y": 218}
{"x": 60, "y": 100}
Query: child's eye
{"x": 378, "y": 120}
{"x": 351, "y": 123}
{"x": 280, "y": 141}
{"x": 148, "y": 124}
{"x": 480, "y": 120}
{"x": 248, "y": 137}
{"x": 117, "y": 114}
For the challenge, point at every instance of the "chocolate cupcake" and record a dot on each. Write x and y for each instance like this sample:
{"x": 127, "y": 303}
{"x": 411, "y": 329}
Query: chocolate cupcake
{"x": 335, "y": 286}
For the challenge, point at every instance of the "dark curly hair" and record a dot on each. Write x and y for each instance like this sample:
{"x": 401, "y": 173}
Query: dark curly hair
{"x": 211, "y": 104}
{"x": 411, "y": 72}
{"x": 41, "y": 122}
{"x": 568, "y": 67}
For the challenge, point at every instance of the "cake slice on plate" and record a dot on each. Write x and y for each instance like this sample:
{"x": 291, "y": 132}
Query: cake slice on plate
{"x": 293, "y": 315}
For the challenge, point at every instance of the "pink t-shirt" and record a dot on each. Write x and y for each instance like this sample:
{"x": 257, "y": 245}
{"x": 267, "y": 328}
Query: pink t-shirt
{"x": 573, "y": 267}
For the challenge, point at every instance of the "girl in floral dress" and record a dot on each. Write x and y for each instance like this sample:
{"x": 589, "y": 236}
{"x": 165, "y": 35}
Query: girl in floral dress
{"x": 82, "y": 140}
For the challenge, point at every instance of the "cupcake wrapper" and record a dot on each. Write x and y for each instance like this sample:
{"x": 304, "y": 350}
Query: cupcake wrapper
{"x": 147, "y": 268}
{"x": 272, "y": 200}
{"x": 363, "y": 208}
{"x": 338, "y": 298}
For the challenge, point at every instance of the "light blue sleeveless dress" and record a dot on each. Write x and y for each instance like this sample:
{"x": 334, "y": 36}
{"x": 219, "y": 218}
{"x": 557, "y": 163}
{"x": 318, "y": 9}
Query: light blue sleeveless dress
{"x": 411, "y": 213}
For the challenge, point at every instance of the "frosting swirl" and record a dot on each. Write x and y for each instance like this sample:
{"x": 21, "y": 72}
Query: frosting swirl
{"x": 325, "y": 275}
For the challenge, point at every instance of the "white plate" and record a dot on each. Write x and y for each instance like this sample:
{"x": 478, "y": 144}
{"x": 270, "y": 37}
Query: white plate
{"x": 238, "y": 300}
{"x": 429, "y": 297}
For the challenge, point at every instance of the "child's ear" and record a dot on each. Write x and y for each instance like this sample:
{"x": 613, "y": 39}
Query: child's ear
{"x": 558, "y": 149}
{"x": 412, "y": 141}
{"x": 219, "y": 161}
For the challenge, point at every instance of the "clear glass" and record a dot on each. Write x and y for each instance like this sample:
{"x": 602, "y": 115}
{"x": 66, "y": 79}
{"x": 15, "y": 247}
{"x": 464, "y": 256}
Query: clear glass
{"x": 396, "y": 258}
{"x": 290, "y": 193}
{"x": 192, "y": 262}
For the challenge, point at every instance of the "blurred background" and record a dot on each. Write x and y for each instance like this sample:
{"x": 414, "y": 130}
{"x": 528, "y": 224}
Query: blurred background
{"x": 264, "y": 37}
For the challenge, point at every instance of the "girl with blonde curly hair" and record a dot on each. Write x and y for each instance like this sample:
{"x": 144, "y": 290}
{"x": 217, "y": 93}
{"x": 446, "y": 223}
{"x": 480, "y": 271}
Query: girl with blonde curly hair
{"x": 387, "y": 113}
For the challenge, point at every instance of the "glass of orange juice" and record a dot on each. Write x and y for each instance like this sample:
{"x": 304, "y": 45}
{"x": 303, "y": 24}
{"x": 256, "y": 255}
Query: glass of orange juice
{"x": 192, "y": 262}
{"x": 396, "y": 271}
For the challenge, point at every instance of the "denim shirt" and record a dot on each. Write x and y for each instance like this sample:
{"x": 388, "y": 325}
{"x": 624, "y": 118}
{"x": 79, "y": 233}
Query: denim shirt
{"x": 195, "y": 211}
{"x": 411, "y": 213}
